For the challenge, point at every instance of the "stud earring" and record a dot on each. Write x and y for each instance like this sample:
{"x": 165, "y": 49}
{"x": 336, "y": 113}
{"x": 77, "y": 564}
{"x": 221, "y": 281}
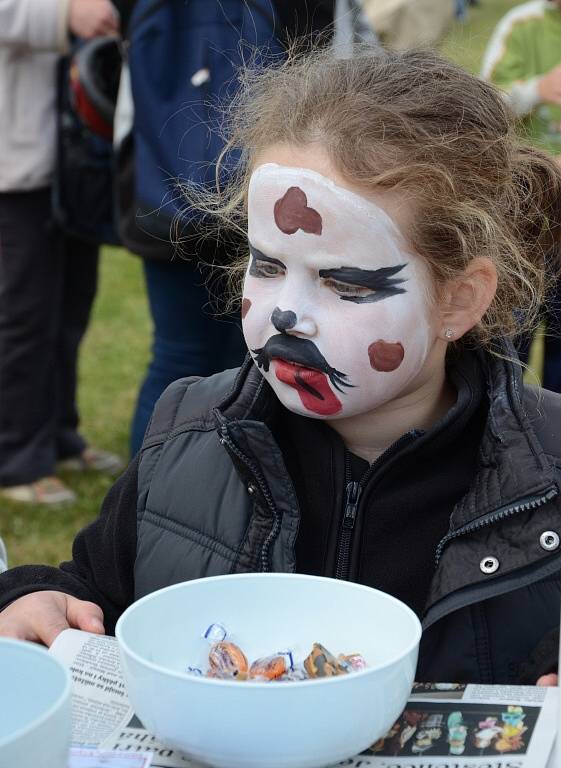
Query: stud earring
{"x": 449, "y": 333}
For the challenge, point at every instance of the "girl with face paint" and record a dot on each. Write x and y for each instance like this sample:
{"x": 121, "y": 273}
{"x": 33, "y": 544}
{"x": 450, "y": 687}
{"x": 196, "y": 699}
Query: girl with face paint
{"x": 379, "y": 429}
{"x": 338, "y": 314}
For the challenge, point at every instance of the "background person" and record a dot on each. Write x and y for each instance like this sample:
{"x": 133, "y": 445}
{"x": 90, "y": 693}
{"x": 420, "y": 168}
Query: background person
{"x": 47, "y": 280}
{"x": 192, "y": 335}
{"x": 524, "y": 59}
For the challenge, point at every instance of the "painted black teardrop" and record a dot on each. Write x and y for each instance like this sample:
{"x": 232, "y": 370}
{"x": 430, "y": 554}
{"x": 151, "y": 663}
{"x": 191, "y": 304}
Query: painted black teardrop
{"x": 283, "y": 321}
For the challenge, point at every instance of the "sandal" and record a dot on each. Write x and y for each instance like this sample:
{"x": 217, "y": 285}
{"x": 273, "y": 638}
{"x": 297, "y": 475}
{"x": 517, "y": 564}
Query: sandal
{"x": 46, "y": 490}
{"x": 92, "y": 459}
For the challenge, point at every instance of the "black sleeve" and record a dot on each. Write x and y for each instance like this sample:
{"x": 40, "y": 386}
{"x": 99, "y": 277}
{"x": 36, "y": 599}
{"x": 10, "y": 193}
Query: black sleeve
{"x": 103, "y": 555}
{"x": 543, "y": 659}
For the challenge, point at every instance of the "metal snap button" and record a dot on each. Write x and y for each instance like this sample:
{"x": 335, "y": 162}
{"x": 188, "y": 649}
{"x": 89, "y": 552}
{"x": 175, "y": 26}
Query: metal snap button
{"x": 489, "y": 565}
{"x": 251, "y": 489}
{"x": 549, "y": 540}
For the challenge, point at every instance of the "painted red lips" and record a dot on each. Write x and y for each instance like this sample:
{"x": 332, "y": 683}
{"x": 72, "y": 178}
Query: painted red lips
{"x": 312, "y": 386}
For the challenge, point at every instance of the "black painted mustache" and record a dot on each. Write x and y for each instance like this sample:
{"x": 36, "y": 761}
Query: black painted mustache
{"x": 303, "y": 352}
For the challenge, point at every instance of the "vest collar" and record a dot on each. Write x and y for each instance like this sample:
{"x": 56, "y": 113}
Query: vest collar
{"x": 512, "y": 464}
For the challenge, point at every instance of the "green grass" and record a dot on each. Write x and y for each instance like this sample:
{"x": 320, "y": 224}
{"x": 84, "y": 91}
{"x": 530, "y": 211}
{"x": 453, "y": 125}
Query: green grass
{"x": 115, "y": 353}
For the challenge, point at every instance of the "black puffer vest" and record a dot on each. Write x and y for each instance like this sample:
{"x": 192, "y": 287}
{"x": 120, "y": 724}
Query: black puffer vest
{"x": 215, "y": 498}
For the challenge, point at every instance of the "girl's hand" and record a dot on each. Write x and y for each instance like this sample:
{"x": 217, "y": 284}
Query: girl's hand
{"x": 548, "y": 680}
{"x": 41, "y": 616}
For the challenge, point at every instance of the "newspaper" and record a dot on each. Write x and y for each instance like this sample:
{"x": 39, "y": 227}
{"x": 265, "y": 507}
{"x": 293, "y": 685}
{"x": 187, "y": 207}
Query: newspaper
{"x": 93, "y": 758}
{"x": 442, "y": 726}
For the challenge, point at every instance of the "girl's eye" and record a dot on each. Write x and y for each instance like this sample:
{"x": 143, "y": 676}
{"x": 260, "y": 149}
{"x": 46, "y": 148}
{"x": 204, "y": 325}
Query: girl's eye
{"x": 346, "y": 290}
{"x": 267, "y": 269}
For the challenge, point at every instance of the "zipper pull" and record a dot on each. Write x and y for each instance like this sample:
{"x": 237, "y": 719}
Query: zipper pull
{"x": 354, "y": 491}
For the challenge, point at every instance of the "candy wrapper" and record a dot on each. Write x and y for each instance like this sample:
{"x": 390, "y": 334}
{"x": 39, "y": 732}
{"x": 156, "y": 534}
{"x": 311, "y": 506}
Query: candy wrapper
{"x": 216, "y": 633}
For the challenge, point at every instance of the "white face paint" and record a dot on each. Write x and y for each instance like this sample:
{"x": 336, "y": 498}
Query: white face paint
{"x": 335, "y": 309}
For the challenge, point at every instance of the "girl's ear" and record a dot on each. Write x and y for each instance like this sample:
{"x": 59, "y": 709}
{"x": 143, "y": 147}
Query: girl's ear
{"x": 466, "y": 298}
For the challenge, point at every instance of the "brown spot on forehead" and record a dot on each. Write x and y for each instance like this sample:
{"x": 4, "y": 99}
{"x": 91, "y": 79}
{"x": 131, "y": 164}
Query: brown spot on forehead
{"x": 246, "y": 306}
{"x": 292, "y": 213}
{"x": 385, "y": 356}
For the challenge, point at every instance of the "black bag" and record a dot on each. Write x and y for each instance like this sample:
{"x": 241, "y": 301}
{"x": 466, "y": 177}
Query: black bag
{"x": 83, "y": 198}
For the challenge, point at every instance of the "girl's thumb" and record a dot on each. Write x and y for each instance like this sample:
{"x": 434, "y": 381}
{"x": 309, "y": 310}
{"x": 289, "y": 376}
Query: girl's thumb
{"x": 82, "y": 614}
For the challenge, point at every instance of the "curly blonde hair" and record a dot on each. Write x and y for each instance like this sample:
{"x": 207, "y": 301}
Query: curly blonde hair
{"x": 415, "y": 123}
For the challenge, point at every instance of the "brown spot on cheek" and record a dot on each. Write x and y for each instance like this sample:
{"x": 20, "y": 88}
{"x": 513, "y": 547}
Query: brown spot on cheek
{"x": 385, "y": 357}
{"x": 246, "y": 306}
{"x": 292, "y": 213}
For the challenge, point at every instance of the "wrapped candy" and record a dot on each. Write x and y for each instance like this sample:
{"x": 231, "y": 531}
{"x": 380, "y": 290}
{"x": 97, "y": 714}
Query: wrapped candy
{"x": 226, "y": 660}
{"x": 352, "y": 662}
{"x": 272, "y": 667}
{"x": 322, "y": 663}
{"x": 268, "y": 668}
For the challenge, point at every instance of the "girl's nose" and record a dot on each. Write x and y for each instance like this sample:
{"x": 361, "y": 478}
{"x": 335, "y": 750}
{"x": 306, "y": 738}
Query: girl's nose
{"x": 283, "y": 321}
{"x": 287, "y": 321}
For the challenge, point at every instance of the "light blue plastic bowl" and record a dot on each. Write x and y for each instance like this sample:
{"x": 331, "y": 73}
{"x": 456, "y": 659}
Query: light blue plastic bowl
{"x": 307, "y": 724}
{"x": 35, "y": 701}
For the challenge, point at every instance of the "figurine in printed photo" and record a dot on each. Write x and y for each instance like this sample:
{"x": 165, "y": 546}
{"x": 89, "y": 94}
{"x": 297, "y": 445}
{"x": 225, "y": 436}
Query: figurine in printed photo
{"x": 513, "y": 720}
{"x": 457, "y": 733}
{"x": 402, "y": 732}
{"x": 513, "y": 727}
{"x": 487, "y": 733}
{"x": 412, "y": 721}
{"x": 513, "y": 743}
{"x": 428, "y": 734}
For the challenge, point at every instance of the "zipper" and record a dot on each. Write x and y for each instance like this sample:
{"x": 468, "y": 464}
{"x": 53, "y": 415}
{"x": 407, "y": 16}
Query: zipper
{"x": 353, "y": 492}
{"x": 259, "y": 478}
{"x": 522, "y": 505}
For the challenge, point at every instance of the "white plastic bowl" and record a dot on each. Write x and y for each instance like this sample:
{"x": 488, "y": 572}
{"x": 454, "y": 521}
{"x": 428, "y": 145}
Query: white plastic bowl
{"x": 35, "y": 716}
{"x": 304, "y": 724}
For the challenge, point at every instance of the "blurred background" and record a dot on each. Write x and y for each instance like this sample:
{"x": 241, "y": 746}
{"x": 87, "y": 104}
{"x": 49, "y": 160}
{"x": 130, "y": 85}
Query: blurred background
{"x": 116, "y": 350}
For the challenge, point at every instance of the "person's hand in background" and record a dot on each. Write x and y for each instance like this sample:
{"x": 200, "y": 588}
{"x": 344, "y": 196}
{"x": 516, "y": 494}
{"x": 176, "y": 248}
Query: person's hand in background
{"x": 92, "y": 18}
{"x": 549, "y": 86}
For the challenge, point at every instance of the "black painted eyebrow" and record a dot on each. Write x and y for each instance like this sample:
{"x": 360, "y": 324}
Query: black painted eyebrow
{"x": 382, "y": 282}
{"x": 257, "y": 255}
{"x": 367, "y": 278}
